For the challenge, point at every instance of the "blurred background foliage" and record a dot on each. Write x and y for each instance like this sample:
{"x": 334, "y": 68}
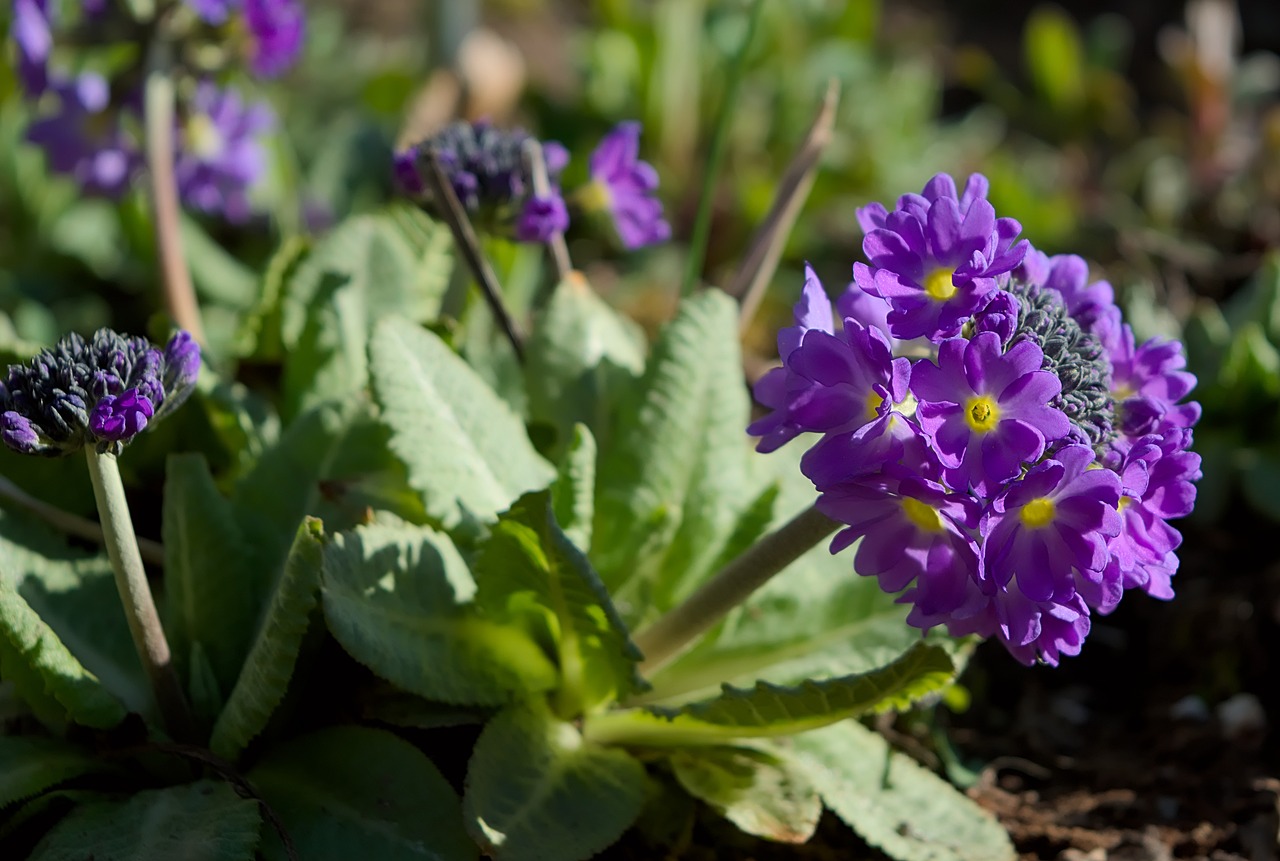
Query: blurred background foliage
{"x": 1144, "y": 137}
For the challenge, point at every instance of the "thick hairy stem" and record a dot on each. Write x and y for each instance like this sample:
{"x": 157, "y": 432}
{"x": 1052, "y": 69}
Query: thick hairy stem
{"x": 135, "y": 593}
{"x": 179, "y": 293}
{"x": 666, "y": 638}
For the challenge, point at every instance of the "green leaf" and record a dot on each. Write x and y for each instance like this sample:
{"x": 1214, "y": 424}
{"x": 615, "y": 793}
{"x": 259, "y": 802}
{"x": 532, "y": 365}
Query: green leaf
{"x": 270, "y": 664}
{"x": 1055, "y": 57}
{"x": 353, "y": 792}
{"x": 210, "y": 588}
{"x": 259, "y": 335}
{"x": 581, "y": 355}
{"x": 573, "y": 494}
{"x": 537, "y": 791}
{"x": 528, "y": 569}
{"x": 897, "y": 806}
{"x": 204, "y": 821}
{"x": 369, "y": 267}
{"x": 679, "y": 458}
{"x": 217, "y": 274}
{"x": 763, "y": 794}
{"x": 62, "y": 633}
{"x": 287, "y": 482}
{"x": 817, "y": 619}
{"x": 399, "y": 599}
{"x": 771, "y": 710}
{"x": 30, "y": 765}
{"x": 466, "y": 452}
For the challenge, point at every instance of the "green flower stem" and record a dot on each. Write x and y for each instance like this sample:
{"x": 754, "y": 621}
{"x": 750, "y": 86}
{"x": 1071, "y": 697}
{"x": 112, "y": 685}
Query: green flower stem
{"x": 179, "y": 293}
{"x": 135, "y": 593}
{"x": 72, "y": 524}
{"x": 666, "y": 638}
{"x": 719, "y": 140}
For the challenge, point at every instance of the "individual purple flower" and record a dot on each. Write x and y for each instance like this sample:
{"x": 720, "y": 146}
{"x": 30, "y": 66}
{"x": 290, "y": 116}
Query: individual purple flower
{"x": 626, "y": 185}
{"x": 829, "y": 382}
{"x": 913, "y": 533}
{"x": 1045, "y": 631}
{"x": 936, "y": 256}
{"x": 987, "y": 411}
{"x": 120, "y": 417}
{"x": 542, "y": 218}
{"x": 868, "y": 310}
{"x": 1156, "y": 476}
{"x": 1069, "y": 275}
{"x": 101, "y": 391}
{"x": 1049, "y": 530}
{"x": 213, "y": 11}
{"x": 1147, "y": 381}
{"x": 84, "y": 139}
{"x": 276, "y": 29}
{"x": 999, "y": 315}
{"x": 34, "y": 39}
{"x": 219, "y": 151}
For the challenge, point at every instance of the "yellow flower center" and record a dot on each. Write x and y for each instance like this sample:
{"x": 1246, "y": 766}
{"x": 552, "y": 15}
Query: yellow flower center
{"x": 1037, "y": 513}
{"x": 922, "y": 514}
{"x": 204, "y": 140}
{"x": 938, "y": 284}
{"x": 594, "y": 197}
{"x": 1124, "y": 503}
{"x": 981, "y": 414}
{"x": 873, "y": 404}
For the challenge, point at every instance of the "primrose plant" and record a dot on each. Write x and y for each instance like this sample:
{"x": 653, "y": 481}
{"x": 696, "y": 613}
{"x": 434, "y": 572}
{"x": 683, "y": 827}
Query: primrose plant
{"x": 415, "y": 603}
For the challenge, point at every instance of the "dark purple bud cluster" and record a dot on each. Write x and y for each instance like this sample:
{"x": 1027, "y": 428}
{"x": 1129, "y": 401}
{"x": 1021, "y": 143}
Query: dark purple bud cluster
{"x": 101, "y": 392}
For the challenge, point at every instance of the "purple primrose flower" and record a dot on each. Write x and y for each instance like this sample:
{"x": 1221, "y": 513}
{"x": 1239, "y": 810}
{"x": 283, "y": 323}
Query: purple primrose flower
{"x": 219, "y": 153}
{"x": 276, "y": 30}
{"x": 936, "y": 256}
{"x": 84, "y": 139}
{"x": 627, "y": 185}
{"x": 101, "y": 392}
{"x": 34, "y": 39}
{"x": 1023, "y": 477}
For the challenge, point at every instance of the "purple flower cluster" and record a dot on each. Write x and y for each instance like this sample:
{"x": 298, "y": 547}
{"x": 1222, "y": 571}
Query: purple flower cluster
{"x": 100, "y": 392}
{"x": 1018, "y": 472}
{"x": 89, "y": 126}
{"x": 488, "y": 170}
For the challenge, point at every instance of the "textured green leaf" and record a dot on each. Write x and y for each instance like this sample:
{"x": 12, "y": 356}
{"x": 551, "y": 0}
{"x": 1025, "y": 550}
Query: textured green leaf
{"x": 399, "y": 600}
{"x": 896, "y": 805}
{"x": 573, "y": 494}
{"x": 64, "y": 644}
{"x": 353, "y": 792}
{"x": 466, "y": 452}
{"x": 29, "y": 766}
{"x": 771, "y": 710}
{"x": 270, "y": 664}
{"x": 210, "y": 589}
{"x": 680, "y": 457}
{"x": 259, "y": 336}
{"x": 764, "y": 795}
{"x": 294, "y": 479}
{"x": 581, "y": 355}
{"x": 205, "y": 821}
{"x": 537, "y": 791}
{"x": 369, "y": 267}
{"x": 529, "y": 570}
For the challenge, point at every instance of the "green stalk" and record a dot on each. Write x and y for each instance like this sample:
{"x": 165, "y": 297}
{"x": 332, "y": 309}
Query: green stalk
{"x": 135, "y": 593}
{"x": 179, "y": 293}
{"x": 719, "y": 139}
{"x": 666, "y": 638}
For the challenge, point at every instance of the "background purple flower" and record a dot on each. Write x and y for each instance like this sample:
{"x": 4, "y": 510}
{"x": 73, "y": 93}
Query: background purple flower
{"x": 32, "y": 35}
{"x": 1069, "y": 275}
{"x": 987, "y": 411}
{"x": 84, "y": 140}
{"x": 213, "y": 11}
{"x": 276, "y": 30}
{"x": 219, "y": 151}
{"x": 628, "y": 185}
{"x": 541, "y": 218}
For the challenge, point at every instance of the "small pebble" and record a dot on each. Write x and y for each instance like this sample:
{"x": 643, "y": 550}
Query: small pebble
{"x": 1241, "y": 715}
